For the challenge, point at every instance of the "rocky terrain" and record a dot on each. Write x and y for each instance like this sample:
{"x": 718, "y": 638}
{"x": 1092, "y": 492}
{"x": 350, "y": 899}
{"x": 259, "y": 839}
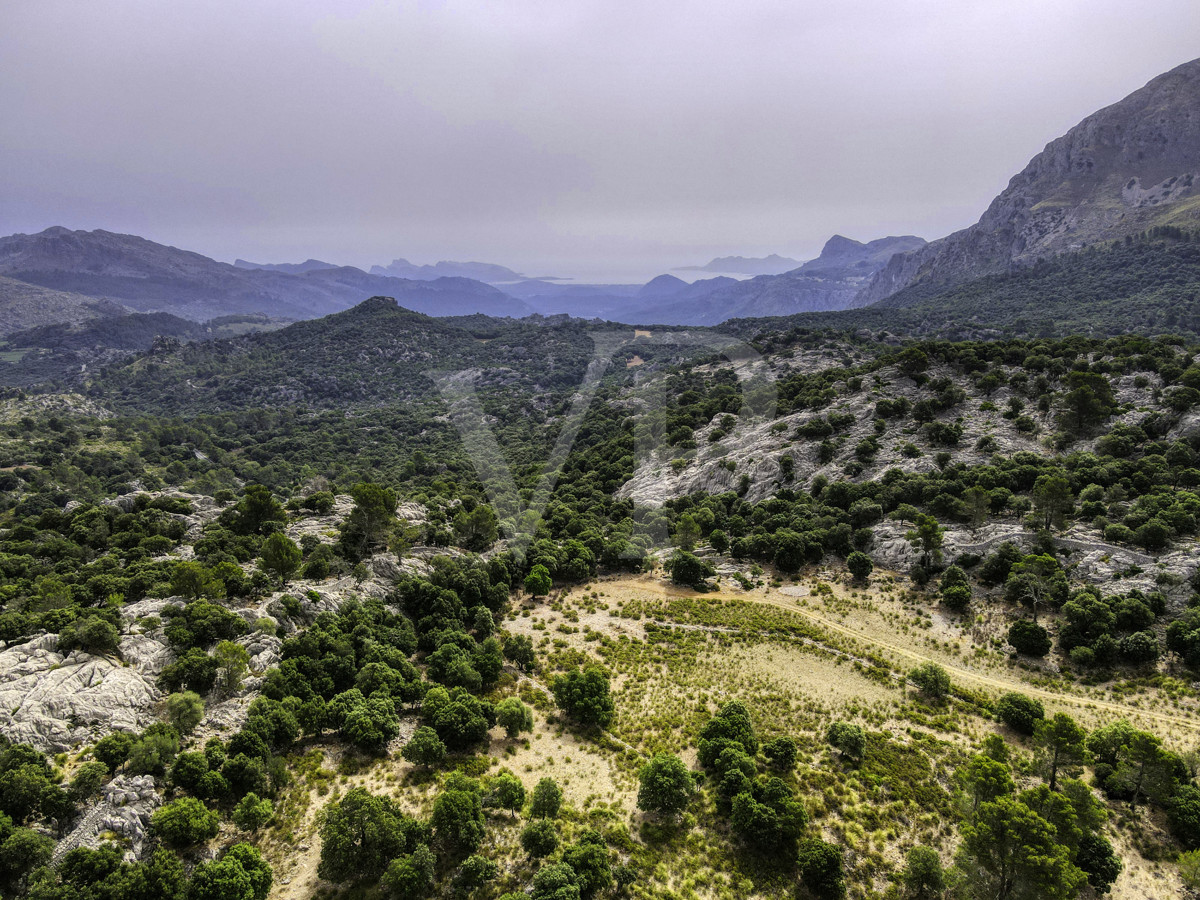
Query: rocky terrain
{"x": 1129, "y": 167}
{"x": 829, "y": 282}
{"x": 59, "y": 702}
{"x": 24, "y": 306}
{"x": 756, "y": 446}
{"x": 817, "y": 453}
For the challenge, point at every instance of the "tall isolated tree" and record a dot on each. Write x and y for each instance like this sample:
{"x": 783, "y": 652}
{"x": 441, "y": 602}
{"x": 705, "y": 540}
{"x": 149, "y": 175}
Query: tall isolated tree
{"x": 518, "y": 649}
{"x": 665, "y": 785}
{"x": 1009, "y": 852}
{"x": 584, "y": 696}
{"x": 1088, "y": 402}
{"x": 192, "y": 580}
{"x": 184, "y": 711}
{"x": 731, "y": 727}
{"x": 508, "y": 792}
{"x": 556, "y": 881}
{"x": 931, "y": 680}
{"x": 252, "y": 812}
{"x": 984, "y": 780}
{"x": 589, "y": 859}
{"x": 1036, "y": 580}
{"x": 1019, "y": 712}
{"x": 514, "y": 717}
{"x": 781, "y": 753}
{"x": 410, "y": 877}
{"x": 923, "y": 876}
{"x": 1144, "y": 768}
{"x": 362, "y": 833}
{"x": 547, "y": 799}
{"x": 184, "y": 822}
{"x": 821, "y": 869}
{"x": 241, "y": 874}
{"x": 688, "y": 569}
{"x": 1060, "y": 741}
{"x": 538, "y": 581}
{"x": 848, "y": 739}
{"x": 859, "y": 565}
{"x": 1053, "y": 500}
{"x": 912, "y": 362}
{"x": 1029, "y": 638}
{"x": 424, "y": 748}
{"x": 457, "y": 821}
{"x": 978, "y": 504}
{"x": 233, "y": 664}
{"x": 1099, "y": 862}
{"x": 478, "y": 529}
{"x": 256, "y": 509}
{"x": 687, "y": 532}
{"x": 370, "y": 521}
{"x": 281, "y": 557}
{"x": 539, "y": 838}
{"x": 927, "y": 537}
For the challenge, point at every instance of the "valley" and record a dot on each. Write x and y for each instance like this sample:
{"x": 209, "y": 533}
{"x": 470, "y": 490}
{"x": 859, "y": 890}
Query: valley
{"x": 871, "y": 576}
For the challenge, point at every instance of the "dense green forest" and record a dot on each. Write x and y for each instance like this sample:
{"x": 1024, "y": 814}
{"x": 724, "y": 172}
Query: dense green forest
{"x": 1144, "y": 285}
{"x": 99, "y": 514}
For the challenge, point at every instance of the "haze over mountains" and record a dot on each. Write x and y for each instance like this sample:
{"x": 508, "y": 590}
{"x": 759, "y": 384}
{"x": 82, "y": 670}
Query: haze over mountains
{"x": 1132, "y": 166}
{"x": 742, "y": 265}
{"x": 83, "y": 274}
{"x": 308, "y": 265}
{"x": 1129, "y": 167}
{"x": 829, "y": 282}
{"x": 489, "y": 273}
{"x": 150, "y": 277}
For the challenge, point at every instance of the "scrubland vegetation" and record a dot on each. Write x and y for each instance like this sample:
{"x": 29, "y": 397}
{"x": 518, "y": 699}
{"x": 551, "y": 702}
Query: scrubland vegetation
{"x": 931, "y": 630}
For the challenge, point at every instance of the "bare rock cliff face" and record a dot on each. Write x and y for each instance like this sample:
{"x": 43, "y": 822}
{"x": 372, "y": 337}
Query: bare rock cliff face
{"x": 1126, "y": 168}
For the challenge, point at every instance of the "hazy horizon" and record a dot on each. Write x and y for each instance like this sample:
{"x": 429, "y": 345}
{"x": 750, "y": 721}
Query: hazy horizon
{"x": 601, "y": 142}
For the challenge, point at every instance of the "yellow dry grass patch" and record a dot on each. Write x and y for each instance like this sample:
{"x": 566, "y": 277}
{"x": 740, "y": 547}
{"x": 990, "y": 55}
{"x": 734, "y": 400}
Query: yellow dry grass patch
{"x": 796, "y": 686}
{"x": 584, "y": 774}
{"x": 877, "y": 619}
{"x": 819, "y": 681}
{"x": 1141, "y": 879}
{"x": 880, "y": 621}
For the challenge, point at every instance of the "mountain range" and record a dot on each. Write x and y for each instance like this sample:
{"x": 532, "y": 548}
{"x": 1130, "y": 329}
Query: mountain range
{"x": 746, "y": 265}
{"x": 1130, "y": 167}
{"x": 308, "y": 265}
{"x": 829, "y": 282}
{"x": 149, "y": 277}
{"x": 489, "y": 273}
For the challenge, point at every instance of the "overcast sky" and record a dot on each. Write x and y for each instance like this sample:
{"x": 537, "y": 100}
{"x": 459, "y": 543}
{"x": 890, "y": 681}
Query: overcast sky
{"x": 596, "y": 139}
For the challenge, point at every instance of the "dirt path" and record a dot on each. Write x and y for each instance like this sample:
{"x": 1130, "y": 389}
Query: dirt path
{"x": 968, "y": 674}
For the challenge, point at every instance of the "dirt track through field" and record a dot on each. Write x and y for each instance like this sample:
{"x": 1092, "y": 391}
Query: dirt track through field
{"x": 967, "y": 674}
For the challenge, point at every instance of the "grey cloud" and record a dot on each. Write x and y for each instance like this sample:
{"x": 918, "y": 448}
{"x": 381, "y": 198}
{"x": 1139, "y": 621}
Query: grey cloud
{"x": 589, "y": 138}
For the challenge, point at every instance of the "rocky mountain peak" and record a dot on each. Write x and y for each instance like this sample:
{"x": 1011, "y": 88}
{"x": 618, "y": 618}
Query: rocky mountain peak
{"x": 838, "y": 246}
{"x": 1124, "y": 169}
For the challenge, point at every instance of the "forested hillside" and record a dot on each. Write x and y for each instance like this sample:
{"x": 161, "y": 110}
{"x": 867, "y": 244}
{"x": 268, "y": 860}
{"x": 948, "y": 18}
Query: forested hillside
{"x": 1148, "y": 284}
{"x": 827, "y": 620}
